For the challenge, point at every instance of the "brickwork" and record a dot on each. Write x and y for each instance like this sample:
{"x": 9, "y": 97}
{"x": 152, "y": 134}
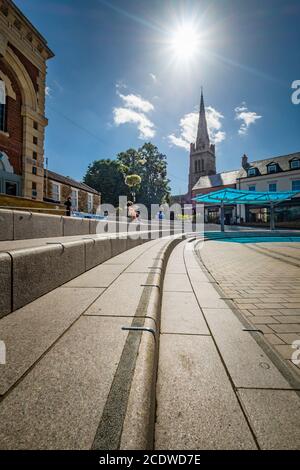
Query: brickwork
{"x": 23, "y": 53}
{"x": 11, "y": 142}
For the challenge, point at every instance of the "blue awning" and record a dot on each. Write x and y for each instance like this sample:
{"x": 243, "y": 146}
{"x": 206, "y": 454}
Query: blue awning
{"x": 238, "y": 196}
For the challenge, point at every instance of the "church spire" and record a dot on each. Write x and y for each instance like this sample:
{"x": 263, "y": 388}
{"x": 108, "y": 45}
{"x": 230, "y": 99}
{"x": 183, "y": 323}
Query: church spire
{"x": 202, "y": 133}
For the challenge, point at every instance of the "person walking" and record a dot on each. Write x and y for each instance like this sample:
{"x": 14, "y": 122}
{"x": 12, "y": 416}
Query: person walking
{"x": 68, "y": 204}
{"x": 131, "y": 214}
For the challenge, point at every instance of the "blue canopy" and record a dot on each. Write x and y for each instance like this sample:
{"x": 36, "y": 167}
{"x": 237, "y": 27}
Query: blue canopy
{"x": 239, "y": 196}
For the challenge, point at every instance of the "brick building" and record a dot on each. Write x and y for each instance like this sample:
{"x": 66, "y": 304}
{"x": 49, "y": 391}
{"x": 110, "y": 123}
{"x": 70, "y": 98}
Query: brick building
{"x": 23, "y": 56}
{"x": 58, "y": 188}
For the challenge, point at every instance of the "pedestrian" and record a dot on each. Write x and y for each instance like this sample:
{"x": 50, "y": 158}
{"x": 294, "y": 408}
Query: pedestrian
{"x": 131, "y": 214}
{"x": 68, "y": 204}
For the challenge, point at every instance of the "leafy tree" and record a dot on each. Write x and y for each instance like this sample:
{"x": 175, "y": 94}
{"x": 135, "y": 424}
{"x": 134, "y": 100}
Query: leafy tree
{"x": 151, "y": 166}
{"x": 107, "y": 177}
{"x": 133, "y": 182}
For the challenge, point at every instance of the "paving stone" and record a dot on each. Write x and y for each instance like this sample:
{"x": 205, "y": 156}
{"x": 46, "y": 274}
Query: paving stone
{"x": 263, "y": 320}
{"x": 58, "y": 405}
{"x": 191, "y": 414}
{"x": 246, "y": 306}
{"x": 287, "y": 319}
{"x": 291, "y": 305}
{"x": 128, "y": 256}
{"x": 101, "y": 276}
{"x": 31, "y": 330}
{"x": 286, "y": 328}
{"x": 177, "y": 283}
{"x": 280, "y": 428}
{"x": 289, "y": 337}
{"x": 285, "y": 350}
{"x": 273, "y": 339}
{"x": 128, "y": 288}
{"x": 181, "y": 314}
{"x": 246, "y": 362}
{"x": 267, "y": 306}
{"x": 264, "y": 313}
{"x": 290, "y": 311}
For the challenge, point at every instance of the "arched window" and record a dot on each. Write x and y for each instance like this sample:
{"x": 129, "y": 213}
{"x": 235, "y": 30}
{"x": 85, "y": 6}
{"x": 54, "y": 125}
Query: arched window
{"x": 2, "y": 105}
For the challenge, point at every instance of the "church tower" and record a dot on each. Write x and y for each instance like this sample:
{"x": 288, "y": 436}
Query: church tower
{"x": 202, "y": 153}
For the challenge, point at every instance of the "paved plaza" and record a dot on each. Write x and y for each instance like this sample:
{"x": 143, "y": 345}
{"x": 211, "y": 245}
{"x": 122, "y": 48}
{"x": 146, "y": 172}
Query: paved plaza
{"x": 263, "y": 282}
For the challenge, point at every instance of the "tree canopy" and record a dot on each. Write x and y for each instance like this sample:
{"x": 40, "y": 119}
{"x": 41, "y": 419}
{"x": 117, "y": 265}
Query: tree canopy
{"x": 109, "y": 176}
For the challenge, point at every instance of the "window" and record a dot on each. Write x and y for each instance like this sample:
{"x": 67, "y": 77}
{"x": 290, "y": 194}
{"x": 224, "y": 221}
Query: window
{"x": 252, "y": 172}
{"x": 197, "y": 166}
{"x": 272, "y": 187}
{"x": 252, "y": 188}
{"x": 34, "y": 155}
{"x": 10, "y": 188}
{"x": 2, "y": 105}
{"x": 35, "y": 140}
{"x": 55, "y": 191}
{"x": 33, "y": 191}
{"x": 296, "y": 185}
{"x": 272, "y": 168}
{"x": 74, "y": 199}
{"x": 34, "y": 170}
{"x": 35, "y": 125}
{"x": 90, "y": 202}
{"x": 294, "y": 164}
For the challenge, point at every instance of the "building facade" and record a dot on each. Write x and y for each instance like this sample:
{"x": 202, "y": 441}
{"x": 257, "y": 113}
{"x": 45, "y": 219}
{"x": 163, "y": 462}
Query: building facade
{"x": 207, "y": 184}
{"x": 23, "y": 56}
{"x": 57, "y": 188}
{"x": 271, "y": 174}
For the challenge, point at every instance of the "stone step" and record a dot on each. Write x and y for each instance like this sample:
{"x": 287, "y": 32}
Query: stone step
{"x": 84, "y": 381}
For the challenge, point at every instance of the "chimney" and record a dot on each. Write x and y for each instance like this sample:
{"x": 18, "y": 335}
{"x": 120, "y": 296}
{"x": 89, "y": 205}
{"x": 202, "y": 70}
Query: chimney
{"x": 245, "y": 163}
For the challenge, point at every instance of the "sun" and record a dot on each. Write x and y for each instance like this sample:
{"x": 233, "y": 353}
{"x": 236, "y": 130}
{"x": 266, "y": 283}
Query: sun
{"x": 185, "y": 42}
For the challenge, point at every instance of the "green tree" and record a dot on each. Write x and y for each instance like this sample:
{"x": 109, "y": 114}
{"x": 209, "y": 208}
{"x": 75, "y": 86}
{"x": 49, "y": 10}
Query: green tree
{"x": 107, "y": 177}
{"x": 133, "y": 182}
{"x": 151, "y": 166}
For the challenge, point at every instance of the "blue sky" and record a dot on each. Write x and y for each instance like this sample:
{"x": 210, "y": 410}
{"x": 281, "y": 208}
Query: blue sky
{"x": 117, "y": 80}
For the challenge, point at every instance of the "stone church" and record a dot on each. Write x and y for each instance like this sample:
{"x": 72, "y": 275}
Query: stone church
{"x": 202, "y": 158}
{"x": 202, "y": 152}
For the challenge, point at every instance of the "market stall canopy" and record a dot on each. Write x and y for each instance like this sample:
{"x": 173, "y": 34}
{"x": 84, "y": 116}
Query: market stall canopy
{"x": 238, "y": 196}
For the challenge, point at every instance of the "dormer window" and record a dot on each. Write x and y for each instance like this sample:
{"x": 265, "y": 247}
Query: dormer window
{"x": 272, "y": 168}
{"x": 294, "y": 164}
{"x": 252, "y": 171}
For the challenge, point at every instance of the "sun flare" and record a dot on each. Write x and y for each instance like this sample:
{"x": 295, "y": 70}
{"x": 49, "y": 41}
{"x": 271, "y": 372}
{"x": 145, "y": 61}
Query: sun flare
{"x": 185, "y": 42}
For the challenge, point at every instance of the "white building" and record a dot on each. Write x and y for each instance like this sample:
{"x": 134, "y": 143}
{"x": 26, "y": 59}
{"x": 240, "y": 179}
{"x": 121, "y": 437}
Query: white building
{"x": 271, "y": 174}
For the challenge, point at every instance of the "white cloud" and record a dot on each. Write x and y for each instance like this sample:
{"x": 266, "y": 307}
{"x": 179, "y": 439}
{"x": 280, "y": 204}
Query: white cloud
{"x": 134, "y": 111}
{"x": 247, "y": 117}
{"x": 154, "y": 77}
{"x": 48, "y": 91}
{"x": 189, "y": 124}
{"x": 178, "y": 142}
{"x": 144, "y": 125}
{"x": 136, "y": 102}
